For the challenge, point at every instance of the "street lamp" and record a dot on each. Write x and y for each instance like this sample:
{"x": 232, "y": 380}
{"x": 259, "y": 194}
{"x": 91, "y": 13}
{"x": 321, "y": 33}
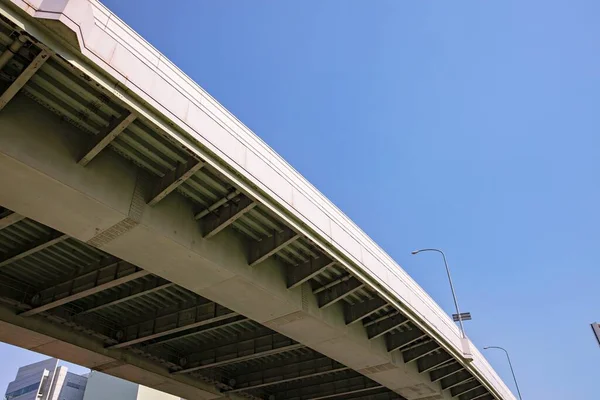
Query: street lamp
{"x": 509, "y": 364}
{"x": 458, "y": 317}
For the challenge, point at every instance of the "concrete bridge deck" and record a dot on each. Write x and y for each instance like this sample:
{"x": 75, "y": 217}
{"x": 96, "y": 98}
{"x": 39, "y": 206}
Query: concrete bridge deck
{"x": 147, "y": 233}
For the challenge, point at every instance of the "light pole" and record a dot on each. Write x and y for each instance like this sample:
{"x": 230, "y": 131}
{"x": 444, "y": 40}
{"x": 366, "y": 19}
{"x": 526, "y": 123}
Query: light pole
{"x": 509, "y": 364}
{"x": 460, "y": 317}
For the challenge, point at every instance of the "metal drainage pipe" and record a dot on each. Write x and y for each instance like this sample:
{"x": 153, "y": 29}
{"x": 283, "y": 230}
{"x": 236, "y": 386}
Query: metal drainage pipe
{"x": 12, "y": 49}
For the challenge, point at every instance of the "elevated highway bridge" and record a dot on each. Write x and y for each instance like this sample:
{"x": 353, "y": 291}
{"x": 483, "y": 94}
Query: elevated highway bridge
{"x": 147, "y": 233}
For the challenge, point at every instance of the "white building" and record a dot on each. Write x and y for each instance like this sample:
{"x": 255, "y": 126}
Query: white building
{"x": 101, "y": 386}
{"x": 46, "y": 380}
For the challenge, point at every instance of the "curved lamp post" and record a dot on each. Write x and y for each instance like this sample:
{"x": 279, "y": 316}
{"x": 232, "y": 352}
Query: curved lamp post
{"x": 509, "y": 364}
{"x": 459, "y": 316}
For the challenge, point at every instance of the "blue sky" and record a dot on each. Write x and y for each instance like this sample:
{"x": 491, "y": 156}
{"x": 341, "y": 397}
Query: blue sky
{"x": 468, "y": 126}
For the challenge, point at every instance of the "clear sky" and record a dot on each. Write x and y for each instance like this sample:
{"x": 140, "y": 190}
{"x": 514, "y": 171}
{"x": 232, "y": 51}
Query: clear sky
{"x": 472, "y": 126}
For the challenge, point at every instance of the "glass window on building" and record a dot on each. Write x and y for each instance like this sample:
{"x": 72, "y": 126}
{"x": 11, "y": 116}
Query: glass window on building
{"x": 74, "y": 385}
{"x": 22, "y": 391}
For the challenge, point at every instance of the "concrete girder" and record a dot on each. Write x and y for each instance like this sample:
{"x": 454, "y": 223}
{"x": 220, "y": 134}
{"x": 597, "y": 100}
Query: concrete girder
{"x": 100, "y": 205}
{"x": 226, "y": 215}
{"x": 285, "y": 373}
{"x": 476, "y": 393}
{"x": 357, "y": 312}
{"x": 298, "y": 274}
{"x": 105, "y": 137}
{"x": 432, "y": 361}
{"x": 9, "y": 219}
{"x": 174, "y": 178}
{"x": 137, "y": 289}
{"x": 108, "y": 275}
{"x": 465, "y": 387}
{"x": 445, "y": 371}
{"x": 172, "y": 323}
{"x": 336, "y": 291}
{"x": 23, "y": 78}
{"x": 398, "y": 340}
{"x": 267, "y": 247}
{"x": 418, "y": 352}
{"x": 455, "y": 380}
{"x": 32, "y": 248}
{"x": 385, "y": 325}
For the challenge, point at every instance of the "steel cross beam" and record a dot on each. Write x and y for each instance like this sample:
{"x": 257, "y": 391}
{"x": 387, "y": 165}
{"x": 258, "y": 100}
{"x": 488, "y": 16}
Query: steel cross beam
{"x": 348, "y": 393}
{"x": 432, "y": 361}
{"x": 291, "y": 373}
{"x": 174, "y": 178}
{"x": 179, "y": 321}
{"x": 335, "y": 385}
{"x": 9, "y": 219}
{"x": 226, "y": 215}
{"x": 485, "y": 395}
{"x": 217, "y": 204}
{"x": 267, "y": 247}
{"x": 314, "y": 374}
{"x": 137, "y": 289}
{"x": 419, "y": 352}
{"x": 356, "y": 312}
{"x": 105, "y": 137}
{"x": 298, "y": 274}
{"x": 476, "y": 393}
{"x": 243, "y": 347}
{"x": 108, "y": 275}
{"x": 23, "y": 78}
{"x": 465, "y": 387}
{"x": 385, "y": 324}
{"x": 248, "y": 357}
{"x": 32, "y": 248}
{"x": 231, "y": 321}
{"x": 282, "y": 368}
{"x": 336, "y": 291}
{"x": 398, "y": 340}
{"x": 455, "y": 379}
{"x": 382, "y": 395}
{"x": 445, "y": 371}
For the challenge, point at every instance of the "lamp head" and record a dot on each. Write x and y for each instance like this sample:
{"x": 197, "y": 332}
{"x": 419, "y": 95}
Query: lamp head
{"x": 415, "y": 252}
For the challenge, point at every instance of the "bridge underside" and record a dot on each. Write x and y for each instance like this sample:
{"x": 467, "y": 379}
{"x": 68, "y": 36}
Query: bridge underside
{"x": 65, "y": 298}
{"x": 124, "y": 252}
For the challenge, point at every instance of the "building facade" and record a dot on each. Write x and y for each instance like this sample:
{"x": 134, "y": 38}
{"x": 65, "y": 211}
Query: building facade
{"x": 46, "y": 380}
{"x": 101, "y": 386}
